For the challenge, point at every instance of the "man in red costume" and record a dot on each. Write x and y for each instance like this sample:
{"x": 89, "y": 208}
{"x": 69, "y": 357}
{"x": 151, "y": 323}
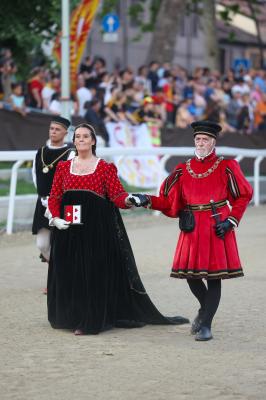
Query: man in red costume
{"x": 209, "y": 195}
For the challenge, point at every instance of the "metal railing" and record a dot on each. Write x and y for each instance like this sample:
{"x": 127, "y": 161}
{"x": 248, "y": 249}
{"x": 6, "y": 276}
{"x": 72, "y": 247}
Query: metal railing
{"x": 166, "y": 152}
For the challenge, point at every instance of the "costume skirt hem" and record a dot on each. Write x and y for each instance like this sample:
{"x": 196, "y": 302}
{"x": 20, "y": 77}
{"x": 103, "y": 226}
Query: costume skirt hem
{"x": 39, "y": 220}
{"x": 93, "y": 280}
{"x": 190, "y": 274}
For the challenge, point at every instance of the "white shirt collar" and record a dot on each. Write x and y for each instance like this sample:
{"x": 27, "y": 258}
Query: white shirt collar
{"x": 55, "y": 147}
{"x": 202, "y": 158}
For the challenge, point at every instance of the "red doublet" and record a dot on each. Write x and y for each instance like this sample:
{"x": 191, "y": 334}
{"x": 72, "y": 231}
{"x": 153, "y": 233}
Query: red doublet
{"x": 103, "y": 181}
{"x": 201, "y": 254}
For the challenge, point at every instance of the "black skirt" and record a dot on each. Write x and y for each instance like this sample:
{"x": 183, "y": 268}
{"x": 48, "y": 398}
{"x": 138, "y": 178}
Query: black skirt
{"x": 39, "y": 220}
{"x": 93, "y": 282}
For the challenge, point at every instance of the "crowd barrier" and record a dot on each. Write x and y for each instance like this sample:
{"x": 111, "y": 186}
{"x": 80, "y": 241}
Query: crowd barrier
{"x": 19, "y": 157}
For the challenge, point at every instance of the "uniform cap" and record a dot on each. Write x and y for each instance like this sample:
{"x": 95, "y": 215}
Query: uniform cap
{"x": 206, "y": 128}
{"x": 61, "y": 121}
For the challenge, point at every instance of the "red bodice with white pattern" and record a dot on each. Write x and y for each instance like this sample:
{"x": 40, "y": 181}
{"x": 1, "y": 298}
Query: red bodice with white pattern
{"x": 103, "y": 181}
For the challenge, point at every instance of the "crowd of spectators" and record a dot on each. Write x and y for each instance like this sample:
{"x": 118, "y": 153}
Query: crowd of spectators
{"x": 162, "y": 94}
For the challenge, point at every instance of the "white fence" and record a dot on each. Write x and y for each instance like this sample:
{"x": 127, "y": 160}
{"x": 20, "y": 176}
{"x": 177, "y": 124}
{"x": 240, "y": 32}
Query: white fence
{"x": 21, "y": 156}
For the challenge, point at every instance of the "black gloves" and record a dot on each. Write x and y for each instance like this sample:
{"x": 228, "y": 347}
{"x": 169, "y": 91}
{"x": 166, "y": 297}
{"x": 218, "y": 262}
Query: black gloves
{"x": 223, "y": 227}
{"x": 139, "y": 200}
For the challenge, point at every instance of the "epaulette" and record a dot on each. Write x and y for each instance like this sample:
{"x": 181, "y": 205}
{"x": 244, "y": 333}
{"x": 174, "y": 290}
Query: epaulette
{"x": 171, "y": 180}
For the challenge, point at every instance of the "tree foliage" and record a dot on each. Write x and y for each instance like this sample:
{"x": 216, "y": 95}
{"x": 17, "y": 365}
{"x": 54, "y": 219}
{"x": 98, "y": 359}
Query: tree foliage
{"x": 24, "y": 25}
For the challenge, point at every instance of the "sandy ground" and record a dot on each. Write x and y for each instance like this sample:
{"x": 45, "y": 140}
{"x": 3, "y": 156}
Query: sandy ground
{"x": 156, "y": 363}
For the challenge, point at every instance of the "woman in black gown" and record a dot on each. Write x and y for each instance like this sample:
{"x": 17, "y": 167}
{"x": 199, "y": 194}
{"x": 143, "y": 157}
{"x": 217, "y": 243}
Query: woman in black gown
{"x": 93, "y": 282}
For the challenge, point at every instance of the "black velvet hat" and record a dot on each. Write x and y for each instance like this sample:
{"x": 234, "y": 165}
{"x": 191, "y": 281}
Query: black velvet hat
{"x": 61, "y": 121}
{"x": 206, "y": 128}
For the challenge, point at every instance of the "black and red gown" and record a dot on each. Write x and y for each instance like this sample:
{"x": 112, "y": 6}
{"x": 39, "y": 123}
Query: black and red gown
{"x": 200, "y": 253}
{"x": 93, "y": 282}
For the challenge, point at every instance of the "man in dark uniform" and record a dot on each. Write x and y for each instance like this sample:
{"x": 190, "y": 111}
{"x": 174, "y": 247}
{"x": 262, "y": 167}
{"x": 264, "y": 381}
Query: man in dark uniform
{"x": 209, "y": 195}
{"x": 43, "y": 171}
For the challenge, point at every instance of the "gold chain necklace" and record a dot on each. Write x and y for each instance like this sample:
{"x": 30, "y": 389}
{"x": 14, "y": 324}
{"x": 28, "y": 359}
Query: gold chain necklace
{"x": 204, "y": 174}
{"x": 47, "y": 167}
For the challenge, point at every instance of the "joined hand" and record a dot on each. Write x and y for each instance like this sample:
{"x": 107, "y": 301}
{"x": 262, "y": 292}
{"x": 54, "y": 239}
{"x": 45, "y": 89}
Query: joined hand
{"x": 138, "y": 200}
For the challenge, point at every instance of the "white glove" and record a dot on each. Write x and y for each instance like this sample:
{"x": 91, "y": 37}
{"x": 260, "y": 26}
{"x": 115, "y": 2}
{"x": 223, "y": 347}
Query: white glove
{"x": 47, "y": 213}
{"x": 128, "y": 202}
{"x": 60, "y": 223}
{"x": 44, "y": 201}
{"x": 132, "y": 200}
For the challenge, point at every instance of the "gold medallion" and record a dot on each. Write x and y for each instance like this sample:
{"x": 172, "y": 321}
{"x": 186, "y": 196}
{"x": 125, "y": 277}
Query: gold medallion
{"x": 45, "y": 170}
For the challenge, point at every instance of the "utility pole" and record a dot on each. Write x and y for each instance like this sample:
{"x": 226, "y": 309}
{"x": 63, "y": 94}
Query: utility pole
{"x": 124, "y": 10}
{"x": 65, "y": 69}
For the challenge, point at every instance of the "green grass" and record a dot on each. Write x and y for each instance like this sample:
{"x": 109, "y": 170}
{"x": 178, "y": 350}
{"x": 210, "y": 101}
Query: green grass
{"x": 9, "y": 164}
{"x": 23, "y": 187}
{"x": 6, "y": 164}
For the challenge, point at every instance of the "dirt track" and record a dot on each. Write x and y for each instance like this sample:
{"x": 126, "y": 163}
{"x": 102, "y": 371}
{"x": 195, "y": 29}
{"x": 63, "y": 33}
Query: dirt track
{"x": 156, "y": 363}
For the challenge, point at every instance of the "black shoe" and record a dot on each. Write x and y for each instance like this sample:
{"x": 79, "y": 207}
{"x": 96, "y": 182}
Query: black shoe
{"x": 196, "y": 324}
{"x": 204, "y": 334}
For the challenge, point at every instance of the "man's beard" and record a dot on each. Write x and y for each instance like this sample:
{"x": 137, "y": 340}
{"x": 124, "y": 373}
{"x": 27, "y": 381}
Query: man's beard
{"x": 201, "y": 152}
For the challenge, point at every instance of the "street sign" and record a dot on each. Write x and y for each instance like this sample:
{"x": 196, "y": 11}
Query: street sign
{"x": 110, "y": 37}
{"x": 110, "y": 23}
{"x": 241, "y": 63}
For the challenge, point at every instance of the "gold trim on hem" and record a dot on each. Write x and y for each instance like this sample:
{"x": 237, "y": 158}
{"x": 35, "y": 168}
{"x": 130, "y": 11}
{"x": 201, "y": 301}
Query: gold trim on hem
{"x": 207, "y": 275}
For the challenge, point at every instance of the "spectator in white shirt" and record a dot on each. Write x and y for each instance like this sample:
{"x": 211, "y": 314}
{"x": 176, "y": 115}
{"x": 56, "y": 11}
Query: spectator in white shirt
{"x": 241, "y": 87}
{"x": 83, "y": 95}
{"x": 52, "y": 86}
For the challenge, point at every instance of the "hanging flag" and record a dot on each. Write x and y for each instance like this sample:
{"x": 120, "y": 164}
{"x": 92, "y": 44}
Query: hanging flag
{"x": 80, "y": 25}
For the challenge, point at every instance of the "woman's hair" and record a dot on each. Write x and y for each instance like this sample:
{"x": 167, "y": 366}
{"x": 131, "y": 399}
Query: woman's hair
{"x": 92, "y": 132}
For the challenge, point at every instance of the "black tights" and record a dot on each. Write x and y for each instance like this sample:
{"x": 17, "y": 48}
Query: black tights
{"x": 209, "y": 298}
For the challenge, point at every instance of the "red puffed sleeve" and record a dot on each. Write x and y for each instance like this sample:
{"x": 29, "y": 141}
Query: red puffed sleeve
{"x": 56, "y": 193}
{"x": 239, "y": 190}
{"x": 169, "y": 201}
{"x": 114, "y": 188}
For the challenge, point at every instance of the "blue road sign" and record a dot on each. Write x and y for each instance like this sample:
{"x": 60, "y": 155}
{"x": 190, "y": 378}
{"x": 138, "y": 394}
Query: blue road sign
{"x": 110, "y": 23}
{"x": 241, "y": 63}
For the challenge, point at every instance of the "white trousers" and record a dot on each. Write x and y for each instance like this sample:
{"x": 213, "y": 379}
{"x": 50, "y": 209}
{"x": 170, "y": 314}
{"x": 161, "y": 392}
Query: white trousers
{"x": 43, "y": 242}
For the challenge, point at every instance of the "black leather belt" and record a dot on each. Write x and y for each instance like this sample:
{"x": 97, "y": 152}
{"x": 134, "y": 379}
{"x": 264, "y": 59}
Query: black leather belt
{"x": 205, "y": 207}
